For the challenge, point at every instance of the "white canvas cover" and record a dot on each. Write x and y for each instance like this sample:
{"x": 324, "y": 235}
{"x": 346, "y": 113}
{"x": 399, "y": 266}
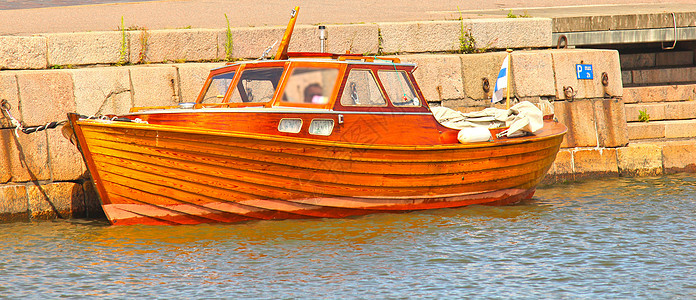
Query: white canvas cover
{"x": 522, "y": 117}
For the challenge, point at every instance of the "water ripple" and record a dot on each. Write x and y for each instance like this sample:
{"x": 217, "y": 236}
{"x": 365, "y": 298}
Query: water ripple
{"x": 617, "y": 238}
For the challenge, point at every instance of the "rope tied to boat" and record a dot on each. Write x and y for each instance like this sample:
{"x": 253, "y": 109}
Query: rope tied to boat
{"x": 17, "y": 125}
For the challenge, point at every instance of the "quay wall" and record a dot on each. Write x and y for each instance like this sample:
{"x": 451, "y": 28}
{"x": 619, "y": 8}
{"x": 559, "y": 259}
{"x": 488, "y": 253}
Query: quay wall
{"x": 44, "y": 77}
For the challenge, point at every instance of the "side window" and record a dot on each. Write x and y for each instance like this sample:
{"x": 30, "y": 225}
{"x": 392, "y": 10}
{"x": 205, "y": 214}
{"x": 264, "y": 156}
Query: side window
{"x": 218, "y": 87}
{"x": 310, "y": 85}
{"x": 256, "y": 85}
{"x": 362, "y": 90}
{"x": 399, "y": 88}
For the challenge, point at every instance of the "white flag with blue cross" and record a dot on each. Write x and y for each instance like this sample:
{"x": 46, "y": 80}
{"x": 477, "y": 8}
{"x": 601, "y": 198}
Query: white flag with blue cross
{"x": 501, "y": 82}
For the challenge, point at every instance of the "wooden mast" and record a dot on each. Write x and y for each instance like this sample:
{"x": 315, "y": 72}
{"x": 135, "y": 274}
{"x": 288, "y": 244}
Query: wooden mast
{"x": 283, "y": 48}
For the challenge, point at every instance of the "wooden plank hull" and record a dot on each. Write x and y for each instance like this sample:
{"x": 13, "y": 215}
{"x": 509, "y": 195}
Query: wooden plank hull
{"x": 161, "y": 174}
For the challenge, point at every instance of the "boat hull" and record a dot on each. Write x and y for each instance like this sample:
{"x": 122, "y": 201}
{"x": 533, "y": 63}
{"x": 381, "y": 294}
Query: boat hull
{"x": 160, "y": 174}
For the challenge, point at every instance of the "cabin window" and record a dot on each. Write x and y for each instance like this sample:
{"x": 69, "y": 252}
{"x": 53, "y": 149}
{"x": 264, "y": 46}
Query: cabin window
{"x": 321, "y": 126}
{"x": 361, "y": 89}
{"x": 399, "y": 88}
{"x": 310, "y": 85}
{"x": 256, "y": 85}
{"x": 290, "y": 125}
{"x": 218, "y": 87}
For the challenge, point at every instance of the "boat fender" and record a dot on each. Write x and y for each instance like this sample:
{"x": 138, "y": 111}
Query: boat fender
{"x": 474, "y": 135}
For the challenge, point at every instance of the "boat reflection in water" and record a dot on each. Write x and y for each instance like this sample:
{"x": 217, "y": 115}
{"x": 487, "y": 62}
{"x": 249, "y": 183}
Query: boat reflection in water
{"x": 304, "y": 135}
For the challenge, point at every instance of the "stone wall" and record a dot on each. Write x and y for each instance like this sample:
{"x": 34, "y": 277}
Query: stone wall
{"x": 43, "y": 51}
{"x": 42, "y": 175}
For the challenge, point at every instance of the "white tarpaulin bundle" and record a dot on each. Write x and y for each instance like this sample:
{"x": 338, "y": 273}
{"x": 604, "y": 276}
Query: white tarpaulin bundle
{"x": 523, "y": 117}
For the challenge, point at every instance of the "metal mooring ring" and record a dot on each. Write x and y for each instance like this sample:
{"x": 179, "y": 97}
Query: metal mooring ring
{"x": 605, "y": 79}
{"x": 486, "y": 85}
{"x": 569, "y": 93}
{"x": 562, "y": 42}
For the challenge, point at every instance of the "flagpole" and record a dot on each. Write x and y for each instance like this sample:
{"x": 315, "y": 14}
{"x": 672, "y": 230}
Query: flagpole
{"x": 509, "y": 79}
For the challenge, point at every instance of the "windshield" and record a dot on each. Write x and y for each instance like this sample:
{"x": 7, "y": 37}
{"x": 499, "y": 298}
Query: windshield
{"x": 256, "y": 85}
{"x": 362, "y": 90}
{"x": 218, "y": 88}
{"x": 399, "y": 88}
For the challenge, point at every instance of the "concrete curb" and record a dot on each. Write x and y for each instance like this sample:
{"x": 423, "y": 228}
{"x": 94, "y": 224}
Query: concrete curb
{"x": 42, "y": 51}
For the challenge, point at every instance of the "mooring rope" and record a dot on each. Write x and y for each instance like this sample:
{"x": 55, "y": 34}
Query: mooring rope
{"x": 5, "y": 105}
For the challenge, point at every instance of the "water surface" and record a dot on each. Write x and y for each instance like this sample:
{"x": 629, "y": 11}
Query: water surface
{"x": 614, "y": 238}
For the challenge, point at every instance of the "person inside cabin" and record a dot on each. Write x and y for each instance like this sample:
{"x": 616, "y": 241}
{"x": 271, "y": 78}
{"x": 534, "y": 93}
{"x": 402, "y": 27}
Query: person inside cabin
{"x": 313, "y": 93}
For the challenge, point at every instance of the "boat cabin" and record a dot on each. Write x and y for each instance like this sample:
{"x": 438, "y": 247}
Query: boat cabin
{"x": 348, "y": 98}
{"x": 348, "y": 82}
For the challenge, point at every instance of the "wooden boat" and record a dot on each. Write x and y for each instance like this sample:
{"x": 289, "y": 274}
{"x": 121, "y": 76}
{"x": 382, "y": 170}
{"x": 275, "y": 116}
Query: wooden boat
{"x": 305, "y": 135}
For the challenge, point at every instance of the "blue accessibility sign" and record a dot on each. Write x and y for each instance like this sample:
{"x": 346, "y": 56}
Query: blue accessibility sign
{"x": 584, "y": 71}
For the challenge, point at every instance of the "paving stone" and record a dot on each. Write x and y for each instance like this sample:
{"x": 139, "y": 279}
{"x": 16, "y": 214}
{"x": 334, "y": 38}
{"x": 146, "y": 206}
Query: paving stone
{"x": 13, "y": 203}
{"x": 356, "y": 38}
{"x": 192, "y": 77}
{"x": 509, "y": 33}
{"x": 637, "y": 61}
{"x": 655, "y": 111}
{"x": 8, "y": 91}
{"x": 580, "y": 119}
{"x": 14, "y": 199}
{"x": 439, "y": 76}
{"x": 436, "y": 36}
{"x": 23, "y": 52}
{"x": 154, "y": 85}
{"x": 65, "y": 160}
{"x": 56, "y": 200}
{"x": 562, "y": 168}
{"x": 421, "y": 36}
{"x": 594, "y": 162}
{"x": 101, "y": 91}
{"x": 174, "y": 45}
{"x": 674, "y": 58}
{"x": 610, "y": 122}
{"x": 6, "y": 140}
{"x": 251, "y": 42}
{"x": 626, "y": 78}
{"x": 531, "y": 71}
{"x": 602, "y": 61}
{"x": 667, "y": 93}
{"x": 679, "y": 157}
{"x": 680, "y": 110}
{"x": 476, "y": 68}
{"x": 664, "y": 76}
{"x": 680, "y": 129}
{"x": 28, "y": 158}
{"x": 650, "y": 130}
{"x": 87, "y": 48}
{"x": 46, "y": 96}
{"x": 640, "y": 160}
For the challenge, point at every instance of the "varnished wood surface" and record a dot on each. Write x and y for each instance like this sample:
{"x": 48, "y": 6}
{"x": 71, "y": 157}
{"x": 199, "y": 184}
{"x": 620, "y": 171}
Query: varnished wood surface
{"x": 368, "y": 128}
{"x": 163, "y": 174}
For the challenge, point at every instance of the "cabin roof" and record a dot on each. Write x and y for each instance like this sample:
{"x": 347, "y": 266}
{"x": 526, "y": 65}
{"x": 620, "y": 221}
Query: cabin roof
{"x": 330, "y": 58}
